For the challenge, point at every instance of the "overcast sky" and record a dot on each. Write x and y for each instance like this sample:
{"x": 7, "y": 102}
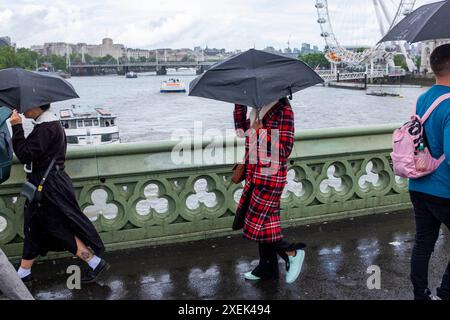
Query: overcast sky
{"x": 230, "y": 24}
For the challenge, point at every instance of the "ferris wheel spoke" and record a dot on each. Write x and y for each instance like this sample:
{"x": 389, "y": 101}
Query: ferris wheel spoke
{"x": 336, "y": 18}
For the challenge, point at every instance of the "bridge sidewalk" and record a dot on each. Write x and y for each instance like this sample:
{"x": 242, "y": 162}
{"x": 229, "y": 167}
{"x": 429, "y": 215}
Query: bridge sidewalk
{"x": 338, "y": 256}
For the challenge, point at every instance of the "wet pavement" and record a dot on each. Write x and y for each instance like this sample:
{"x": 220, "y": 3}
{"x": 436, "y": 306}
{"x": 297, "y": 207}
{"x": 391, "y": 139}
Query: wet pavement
{"x": 336, "y": 264}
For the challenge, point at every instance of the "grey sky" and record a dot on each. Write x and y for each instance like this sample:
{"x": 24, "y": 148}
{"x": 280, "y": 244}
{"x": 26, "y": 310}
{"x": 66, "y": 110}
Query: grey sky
{"x": 231, "y": 24}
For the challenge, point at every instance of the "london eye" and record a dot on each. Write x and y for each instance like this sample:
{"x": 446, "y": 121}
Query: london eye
{"x": 351, "y": 30}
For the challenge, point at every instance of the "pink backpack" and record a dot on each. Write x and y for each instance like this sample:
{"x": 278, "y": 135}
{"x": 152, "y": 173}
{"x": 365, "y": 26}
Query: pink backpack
{"x": 408, "y": 161}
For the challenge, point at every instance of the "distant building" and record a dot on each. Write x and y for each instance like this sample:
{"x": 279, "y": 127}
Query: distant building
{"x": 137, "y": 54}
{"x": 427, "y": 49}
{"x": 214, "y": 51}
{"x": 38, "y": 48}
{"x": 56, "y": 48}
{"x": 108, "y": 47}
{"x": 270, "y": 49}
{"x": 308, "y": 48}
{"x": 6, "y": 41}
{"x": 3, "y": 43}
{"x": 213, "y": 54}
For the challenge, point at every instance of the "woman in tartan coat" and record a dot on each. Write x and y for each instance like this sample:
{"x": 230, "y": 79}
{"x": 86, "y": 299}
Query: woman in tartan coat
{"x": 266, "y": 171}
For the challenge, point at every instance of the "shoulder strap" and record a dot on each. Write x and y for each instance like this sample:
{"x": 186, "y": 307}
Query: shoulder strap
{"x": 41, "y": 184}
{"x": 433, "y": 107}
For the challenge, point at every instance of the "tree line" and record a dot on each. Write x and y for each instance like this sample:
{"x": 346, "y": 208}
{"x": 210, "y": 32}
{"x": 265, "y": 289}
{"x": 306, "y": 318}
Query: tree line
{"x": 319, "y": 61}
{"x": 31, "y": 60}
{"x": 315, "y": 60}
{"x": 27, "y": 59}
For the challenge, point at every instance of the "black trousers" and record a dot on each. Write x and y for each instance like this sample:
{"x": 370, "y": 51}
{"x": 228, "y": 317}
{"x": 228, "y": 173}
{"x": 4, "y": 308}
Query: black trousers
{"x": 430, "y": 213}
{"x": 268, "y": 258}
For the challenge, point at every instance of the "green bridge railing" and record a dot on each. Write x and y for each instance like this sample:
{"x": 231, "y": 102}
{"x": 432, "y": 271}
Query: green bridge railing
{"x": 137, "y": 196}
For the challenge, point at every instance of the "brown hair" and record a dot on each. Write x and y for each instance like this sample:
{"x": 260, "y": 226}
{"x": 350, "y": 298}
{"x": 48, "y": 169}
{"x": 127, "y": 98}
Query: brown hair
{"x": 440, "y": 61}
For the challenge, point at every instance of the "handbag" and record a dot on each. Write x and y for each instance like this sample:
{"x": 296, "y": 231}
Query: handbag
{"x": 239, "y": 171}
{"x": 33, "y": 193}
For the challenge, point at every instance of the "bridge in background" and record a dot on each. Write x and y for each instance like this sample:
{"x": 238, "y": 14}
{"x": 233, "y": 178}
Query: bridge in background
{"x": 336, "y": 76}
{"x": 159, "y": 67}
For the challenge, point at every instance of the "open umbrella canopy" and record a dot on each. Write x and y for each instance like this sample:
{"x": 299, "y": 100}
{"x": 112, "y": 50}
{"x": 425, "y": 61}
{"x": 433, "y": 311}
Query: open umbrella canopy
{"x": 429, "y": 22}
{"x": 23, "y": 90}
{"x": 254, "y": 78}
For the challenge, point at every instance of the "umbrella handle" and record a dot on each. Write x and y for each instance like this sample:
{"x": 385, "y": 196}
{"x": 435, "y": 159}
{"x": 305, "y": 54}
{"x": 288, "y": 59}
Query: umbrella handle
{"x": 290, "y": 93}
{"x": 257, "y": 114}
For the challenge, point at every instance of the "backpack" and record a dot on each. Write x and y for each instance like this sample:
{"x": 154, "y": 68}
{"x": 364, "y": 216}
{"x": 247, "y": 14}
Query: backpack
{"x": 6, "y": 151}
{"x": 410, "y": 161}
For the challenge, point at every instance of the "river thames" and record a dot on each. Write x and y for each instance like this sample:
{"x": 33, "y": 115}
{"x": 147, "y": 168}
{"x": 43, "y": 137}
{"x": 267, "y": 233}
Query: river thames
{"x": 144, "y": 114}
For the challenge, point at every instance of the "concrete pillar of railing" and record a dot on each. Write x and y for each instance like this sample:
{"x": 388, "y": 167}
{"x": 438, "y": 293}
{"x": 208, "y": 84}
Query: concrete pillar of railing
{"x": 10, "y": 283}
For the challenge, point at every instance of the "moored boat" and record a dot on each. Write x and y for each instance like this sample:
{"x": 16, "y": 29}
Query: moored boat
{"x": 383, "y": 94}
{"x": 131, "y": 75}
{"x": 89, "y": 126}
{"x": 172, "y": 86}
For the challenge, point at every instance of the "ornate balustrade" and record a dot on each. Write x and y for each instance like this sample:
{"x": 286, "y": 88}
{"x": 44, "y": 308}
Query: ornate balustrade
{"x": 136, "y": 195}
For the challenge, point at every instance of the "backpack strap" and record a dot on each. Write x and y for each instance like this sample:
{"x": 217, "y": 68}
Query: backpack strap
{"x": 433, "y": 107}
{"x": 427, "y": 115}
{"x": 5, "y": 113}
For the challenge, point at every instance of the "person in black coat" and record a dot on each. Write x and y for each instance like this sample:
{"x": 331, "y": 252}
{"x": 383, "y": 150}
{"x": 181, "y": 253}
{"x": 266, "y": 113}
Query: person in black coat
{"x": 56, "y": 223}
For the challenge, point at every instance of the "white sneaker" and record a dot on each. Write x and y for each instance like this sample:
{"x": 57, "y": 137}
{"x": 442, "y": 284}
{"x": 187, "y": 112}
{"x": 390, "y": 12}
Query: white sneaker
{"x": 251, "y": 277}
{"x": 295, "y": 266}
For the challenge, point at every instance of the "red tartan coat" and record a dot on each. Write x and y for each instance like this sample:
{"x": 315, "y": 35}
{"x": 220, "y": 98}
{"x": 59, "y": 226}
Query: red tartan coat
{"x": 261, "y": 198}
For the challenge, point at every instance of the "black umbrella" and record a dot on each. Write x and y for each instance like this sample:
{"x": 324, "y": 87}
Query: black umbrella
{"x": 429, "y": 22}
{"x": 254, "y": 78}
{"x": 23, "y": 90}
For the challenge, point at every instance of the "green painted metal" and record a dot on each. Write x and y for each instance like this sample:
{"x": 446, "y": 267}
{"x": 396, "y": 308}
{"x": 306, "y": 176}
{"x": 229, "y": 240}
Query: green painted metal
{"x": 146, "y": 199}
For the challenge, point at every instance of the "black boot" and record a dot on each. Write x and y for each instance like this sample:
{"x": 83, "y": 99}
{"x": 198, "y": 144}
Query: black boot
{"x": 28, "y": 279}
{"x": 94, "y": 275}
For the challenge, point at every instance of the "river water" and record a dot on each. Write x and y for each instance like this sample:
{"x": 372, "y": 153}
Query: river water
{"x": 144, "y": 114}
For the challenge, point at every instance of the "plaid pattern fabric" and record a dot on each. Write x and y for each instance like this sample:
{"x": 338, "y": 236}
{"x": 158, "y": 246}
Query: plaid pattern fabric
{"x": 262, "y": 212}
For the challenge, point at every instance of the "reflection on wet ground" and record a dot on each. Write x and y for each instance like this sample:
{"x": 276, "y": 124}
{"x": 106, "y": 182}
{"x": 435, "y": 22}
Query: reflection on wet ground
{"x": 338, "y": 256}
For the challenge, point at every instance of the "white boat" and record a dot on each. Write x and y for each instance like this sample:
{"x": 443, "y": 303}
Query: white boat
{"x": 89, "y": 126}
{"x": 172, "y": 85}
{"x": 58, "y": 73}
{"x": 131, "y": 75}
